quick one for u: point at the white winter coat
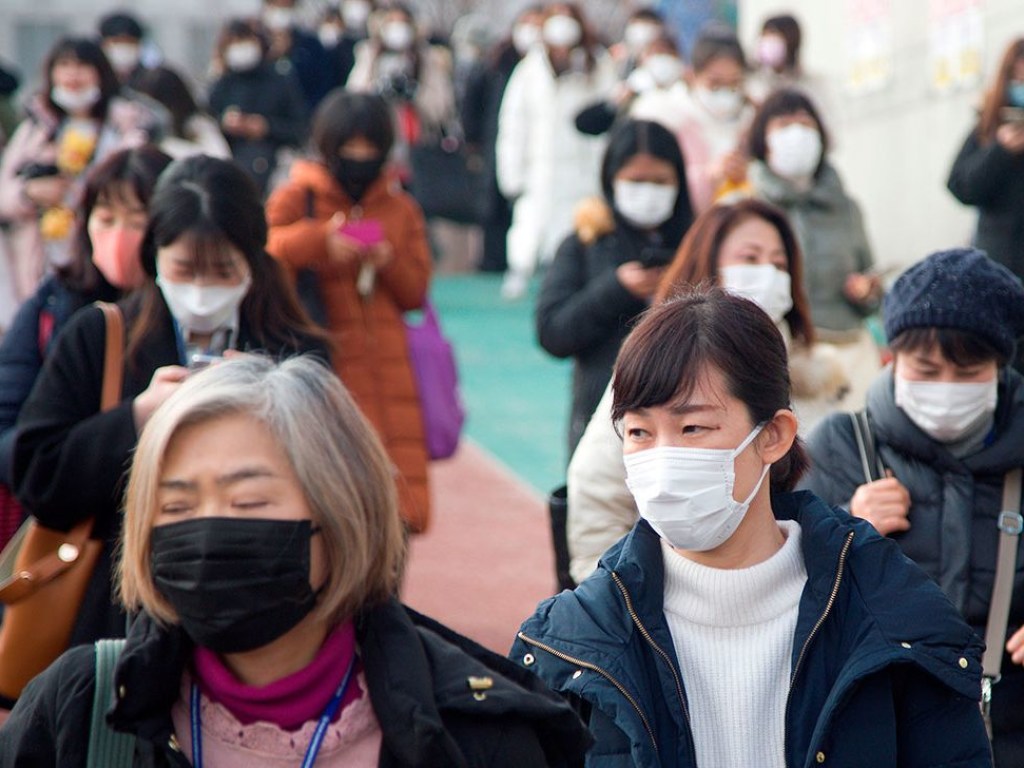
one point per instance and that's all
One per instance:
(543, 162)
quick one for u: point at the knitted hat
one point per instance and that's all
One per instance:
(962, 289)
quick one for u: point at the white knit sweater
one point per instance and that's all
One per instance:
(733, 635)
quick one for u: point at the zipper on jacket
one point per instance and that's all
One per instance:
(662, 653)
(836, 583)
(604, 673)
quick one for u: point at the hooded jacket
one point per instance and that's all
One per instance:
(830, 229)
(417, 672)
(954, 507)
(885, 672)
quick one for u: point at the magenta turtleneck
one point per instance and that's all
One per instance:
(291, 701)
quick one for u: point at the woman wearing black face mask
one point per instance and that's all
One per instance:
(262, 550)
(347, 219)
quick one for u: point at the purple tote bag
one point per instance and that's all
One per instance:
(437, 379)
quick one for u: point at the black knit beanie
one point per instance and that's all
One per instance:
(962, 289)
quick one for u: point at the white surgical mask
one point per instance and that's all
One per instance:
(123, 57)
(639, 35)
(686, 493)
(794, 152)
(562, 32)
(643, 204)
(524, 37)
(355, 13)
(204, 308)
(664, 68)
(278, 19)
(244, 56)
(723, 103)
(946, 411)
(75, 101)
(397, 35)
(771, 51)
(329, 35)
(765, 284)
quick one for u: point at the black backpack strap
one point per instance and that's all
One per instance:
(307, 284)
(869, 459)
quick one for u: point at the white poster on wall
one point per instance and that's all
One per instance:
(869, 45)
(955, 43)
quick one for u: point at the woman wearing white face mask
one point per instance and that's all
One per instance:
(789, 147)
(607, 271)
(947, 420)
(216, 290)
(738, 623)
(545, 165)
(75, 121)
(749, 249)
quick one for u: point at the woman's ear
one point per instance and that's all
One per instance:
(778, 436)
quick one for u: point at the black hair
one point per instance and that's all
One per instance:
(166, 86)
(86, 51)
(120, 24)
(135, 169)
(343, 115)
(785, 101)
(716, 41)
(960, 347)
(646, 14)
(677, 342)
(641, 137)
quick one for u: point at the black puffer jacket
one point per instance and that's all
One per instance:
(416, 671)
(953, 514)
(991, 179)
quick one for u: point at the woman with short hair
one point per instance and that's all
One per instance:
(739, 623)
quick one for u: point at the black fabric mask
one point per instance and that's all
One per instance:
(355, 176)
(236, 584)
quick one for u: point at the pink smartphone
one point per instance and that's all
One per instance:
(364, 231)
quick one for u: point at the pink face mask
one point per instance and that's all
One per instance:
(115, 252)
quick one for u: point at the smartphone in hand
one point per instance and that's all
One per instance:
(366, 232)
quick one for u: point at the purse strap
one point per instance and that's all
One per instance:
(869, 459)
(113, 356)
(107, 748)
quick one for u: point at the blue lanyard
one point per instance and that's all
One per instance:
(318, 735)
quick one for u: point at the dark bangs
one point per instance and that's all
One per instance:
(962, 348)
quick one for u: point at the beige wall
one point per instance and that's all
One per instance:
(895, 146)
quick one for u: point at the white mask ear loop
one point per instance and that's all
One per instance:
(740, 449)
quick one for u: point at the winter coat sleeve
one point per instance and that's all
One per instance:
(20, 363)
(20, 150)
(577, 311)
(513, 145)
(49, 726)
(294, 238)
(69, 458)
(407, 276)
(601, 508)
(980, 173)
(360, 79)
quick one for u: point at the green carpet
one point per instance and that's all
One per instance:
(516, 394)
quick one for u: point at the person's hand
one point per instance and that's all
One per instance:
(734, 167)
(884, 503)
(640, 281)
(255, 126)
(47, 191)
(379, 254)
(862, 289)
(341, 249)
(1010, 136)
(165, 382)
(233, 122)
(1015, 646)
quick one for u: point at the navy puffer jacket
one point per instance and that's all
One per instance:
(885, 673)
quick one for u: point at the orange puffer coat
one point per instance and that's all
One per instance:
(369, 351)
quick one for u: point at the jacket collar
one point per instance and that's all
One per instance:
(826, 191)
(315, 176)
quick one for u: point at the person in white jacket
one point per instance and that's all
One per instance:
(748, 248)
(544, 164)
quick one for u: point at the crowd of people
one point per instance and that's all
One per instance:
(784, 530)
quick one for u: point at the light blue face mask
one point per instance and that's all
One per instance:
(1015, 93)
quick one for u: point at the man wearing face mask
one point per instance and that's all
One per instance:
(292, 49)
(947, 419)
(121, 38)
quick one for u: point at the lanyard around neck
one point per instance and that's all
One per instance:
(318, 735)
